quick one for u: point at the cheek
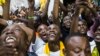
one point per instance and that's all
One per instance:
(2, 37)
(47, 32)
(64, 22)
(85, 27)
(19, 35)
(78, 28)
(56, 31)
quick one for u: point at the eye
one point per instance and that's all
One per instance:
(3, 32)
(40, 30)
(17, 29)
(77, 50)
(49, 28)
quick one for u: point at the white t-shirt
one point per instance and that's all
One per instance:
(92, 44)
(37, 4)
(38, 44)
(57, 53)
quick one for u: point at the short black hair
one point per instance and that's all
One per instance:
(84, 21)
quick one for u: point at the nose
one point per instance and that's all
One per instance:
(82, 54)
(43, 31)
(81, 26)
(9, 31)
(52, 30)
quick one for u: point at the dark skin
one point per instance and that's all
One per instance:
(67, 21)
(82, 27)
(79, 10)
(97, 38)
(82, 47)
(3, 22)
(53, 37)
(87, 2)
(15, 40)
(43, 13)
(42, 30)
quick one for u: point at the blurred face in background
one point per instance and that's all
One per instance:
(82, 27)
(97, 34)
(42, 30)
(67, 21)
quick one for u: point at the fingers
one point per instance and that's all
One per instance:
(7, 50)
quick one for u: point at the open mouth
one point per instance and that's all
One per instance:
(83, 30)
(44, 36)
(68, 23)
(10, 40)
(98, 37)
(52, 35)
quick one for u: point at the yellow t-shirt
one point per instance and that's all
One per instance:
(2, 2)
(95, 52)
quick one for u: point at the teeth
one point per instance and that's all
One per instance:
(11, 38)
(97, 36)
(52, 34)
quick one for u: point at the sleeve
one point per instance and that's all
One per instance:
(42, 4)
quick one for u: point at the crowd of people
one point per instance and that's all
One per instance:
(56, 28)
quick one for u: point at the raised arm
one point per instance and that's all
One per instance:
(62, 7)
(27, 30)
(3, 22)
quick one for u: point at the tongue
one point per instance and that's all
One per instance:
(52, 35)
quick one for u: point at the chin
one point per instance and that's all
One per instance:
(97, 40)
(83, 32)
(11, 45)
(51, 40)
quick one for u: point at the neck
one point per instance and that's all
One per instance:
(54, 46)
(22, 54)
(66, 29)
